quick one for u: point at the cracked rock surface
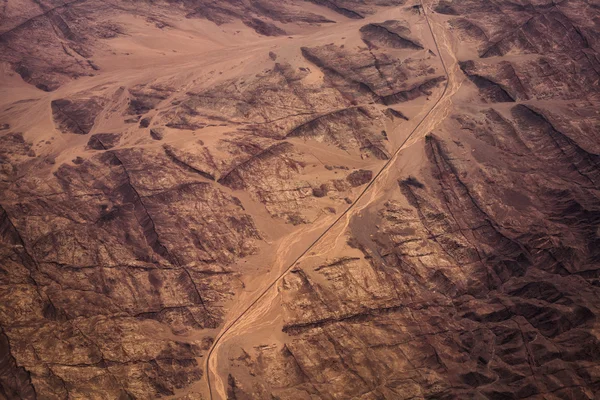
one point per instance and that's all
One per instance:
(164, 164)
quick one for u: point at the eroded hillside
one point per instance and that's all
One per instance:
(301, 200)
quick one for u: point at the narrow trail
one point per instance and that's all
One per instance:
(211, 359)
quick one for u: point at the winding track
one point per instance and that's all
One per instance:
(385, 167)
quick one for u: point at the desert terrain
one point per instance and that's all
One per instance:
(324, 199)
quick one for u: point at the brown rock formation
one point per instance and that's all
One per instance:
(333, 199)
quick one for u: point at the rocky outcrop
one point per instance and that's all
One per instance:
(15, 381)
(269, 176)
(264, 28)
(544, 78)
(90, 267)
(103, 141)
(146, 98)
(347, 128)
(545, 31)
(390, 33)
(369, 76)
(360, 177)
(76, 115)
(157, 133)
(353, 9)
